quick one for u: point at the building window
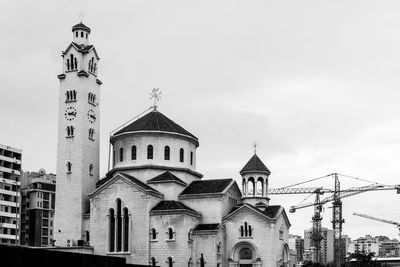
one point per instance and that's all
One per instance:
(153, 234)
(91, 169)
(87, 238)
(149, 152)
(133, 153)
(111, 230)
(70, 131)
(202, 261)
(69, 167)
(246, 230)
(72, 62)
(121, 154)
(191, 157)
(70, 96)
(118, 228)
(219, 248)
(281, 231)
(166, 153)
(181, 155)
(92, 65)
(153, 261)
(170, 262)
(260, 186)
(251, 186)
(76, 34)
(92, 98)
(91, 134)
(170, 233)
(245, 254)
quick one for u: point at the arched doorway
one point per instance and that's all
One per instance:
(245, 254)
(285, 257)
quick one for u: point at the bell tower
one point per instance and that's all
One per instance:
(255, 182)
(78, 136)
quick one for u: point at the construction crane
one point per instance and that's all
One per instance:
(337, 220)
(378, 219)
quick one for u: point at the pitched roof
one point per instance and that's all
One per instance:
(171, 205)
(207, 227)
(155, 121)
(270, 211)
(207, 187)
(166, 177)
(129, 177)
(255, 164)
(80, 26)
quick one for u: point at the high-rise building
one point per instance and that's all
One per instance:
(37, 206)
(10, 173)
(366, 245)
(326, 245)
(296, 243)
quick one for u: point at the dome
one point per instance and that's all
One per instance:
(81, 26)
(255, 165)
(155, 121)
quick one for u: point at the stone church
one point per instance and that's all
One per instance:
(153, 207)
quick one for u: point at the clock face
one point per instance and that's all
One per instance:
(91, 116)
(70, 113)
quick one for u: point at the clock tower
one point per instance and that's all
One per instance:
(78, 137)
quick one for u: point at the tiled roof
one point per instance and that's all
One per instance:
(171, 205)
(155, 121)
(255, 164)
(166, 177)
(80, 26)
(269, 211)
(206, 186)
(206, 227)
(131, 178)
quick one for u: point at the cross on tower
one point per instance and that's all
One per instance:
(155, 95)
(255, 144)
(81, 15)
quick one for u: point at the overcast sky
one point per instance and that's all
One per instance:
(315, 83)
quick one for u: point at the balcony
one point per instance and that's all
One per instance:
(9, 214)
(13, 237)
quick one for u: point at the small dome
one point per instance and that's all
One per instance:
(81, 26)
(255, 165)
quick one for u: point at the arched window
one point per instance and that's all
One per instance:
(245, 254)
(260, 186)
(69, 167)
(170, 233)
(153, 234)
(113, 159)
(119, 225)
(71, 58)
(111, 230)
(76, 63)
(166, 152)
(133, 153)
(74, 92)
(202, 262)
(121, 154)
(149, 152)
(181, 155)
(95, 68)
(67, 64)
(246, 230)
(87, 237)
(153, 261)
(82, 34)
(126, 230)
(251, 186)
(191, 157)
(170, 262)
(91, 169)
(76, 33)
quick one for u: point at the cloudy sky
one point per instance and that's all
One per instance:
(315, 83)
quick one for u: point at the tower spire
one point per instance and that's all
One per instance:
(155, 95)
(255, 144)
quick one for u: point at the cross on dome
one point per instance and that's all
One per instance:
(155, 95)
(255, 144)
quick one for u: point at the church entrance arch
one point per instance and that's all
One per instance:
(244, 254)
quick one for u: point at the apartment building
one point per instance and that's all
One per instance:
(10, 174)
(296, 243)
(326, 245)
(37, 208)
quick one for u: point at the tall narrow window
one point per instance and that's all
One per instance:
(170, 262)
(133, 153)
(170, 233)
(181, 155)
(111, 230)
(69, 167)
(153, 261)
(126, 230)
(166, 152)
(91, 169)
(153, 234)
(149, 152)
(67, 64)
(202, 262)
(72, 61)
(121, 154)
(191, 157)
(119, 226)
(76, 63)
(76, 34)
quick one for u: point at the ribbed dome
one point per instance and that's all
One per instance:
(255, 165)
(81, 26)
(155, 121)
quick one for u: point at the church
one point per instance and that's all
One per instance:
(153, 207)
